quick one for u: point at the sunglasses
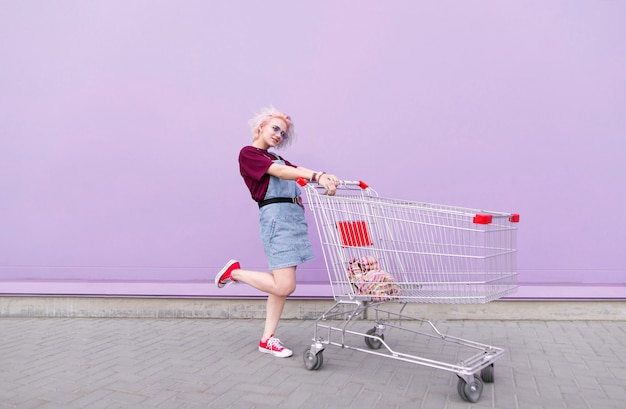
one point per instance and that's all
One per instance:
(279, 131)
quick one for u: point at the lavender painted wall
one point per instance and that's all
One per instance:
(121, 121)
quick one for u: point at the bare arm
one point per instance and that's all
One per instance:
(329, 182)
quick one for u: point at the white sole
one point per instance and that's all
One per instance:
(276, 354)
(221, 273)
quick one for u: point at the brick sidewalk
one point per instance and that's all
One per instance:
(199, 363)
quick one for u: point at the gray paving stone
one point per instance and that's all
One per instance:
(103, 363)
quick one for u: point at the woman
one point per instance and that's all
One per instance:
(271, 181)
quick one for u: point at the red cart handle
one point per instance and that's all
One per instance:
(359, 183)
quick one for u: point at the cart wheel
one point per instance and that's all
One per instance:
(487, 374)
(374, 343)
(470, 392)
(312, 361)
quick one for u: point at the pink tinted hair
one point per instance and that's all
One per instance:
(267, 113)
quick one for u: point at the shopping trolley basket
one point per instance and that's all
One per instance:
(380, 251)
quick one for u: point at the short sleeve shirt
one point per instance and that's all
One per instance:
(253, 166)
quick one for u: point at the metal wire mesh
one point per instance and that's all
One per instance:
(434, 253)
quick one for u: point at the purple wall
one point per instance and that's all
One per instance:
(121, 121)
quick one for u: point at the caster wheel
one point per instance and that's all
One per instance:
(487, 374)
(470, 392)
(372, 342)
(312, 361)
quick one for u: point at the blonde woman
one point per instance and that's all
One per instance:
(271, 181)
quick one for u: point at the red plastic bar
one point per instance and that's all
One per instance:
(483, 219)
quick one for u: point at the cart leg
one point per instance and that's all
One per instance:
(487, 374)
(471, 390)
(374, 337)
(314, 357)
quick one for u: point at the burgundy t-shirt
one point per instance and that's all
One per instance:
(253, 165)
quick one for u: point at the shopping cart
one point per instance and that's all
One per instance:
(384, 253)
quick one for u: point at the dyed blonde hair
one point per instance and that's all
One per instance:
(266, 114)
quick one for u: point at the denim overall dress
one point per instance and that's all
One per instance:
(284, 230)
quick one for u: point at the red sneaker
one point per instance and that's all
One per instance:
(275, 347)
(224, 278)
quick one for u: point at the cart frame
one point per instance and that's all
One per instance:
(452, 269)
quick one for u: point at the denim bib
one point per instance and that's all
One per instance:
(283, 228)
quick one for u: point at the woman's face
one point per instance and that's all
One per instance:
(272, 134)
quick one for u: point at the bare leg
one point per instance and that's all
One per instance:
(278, 285)
(281, 282)
(276, 303)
